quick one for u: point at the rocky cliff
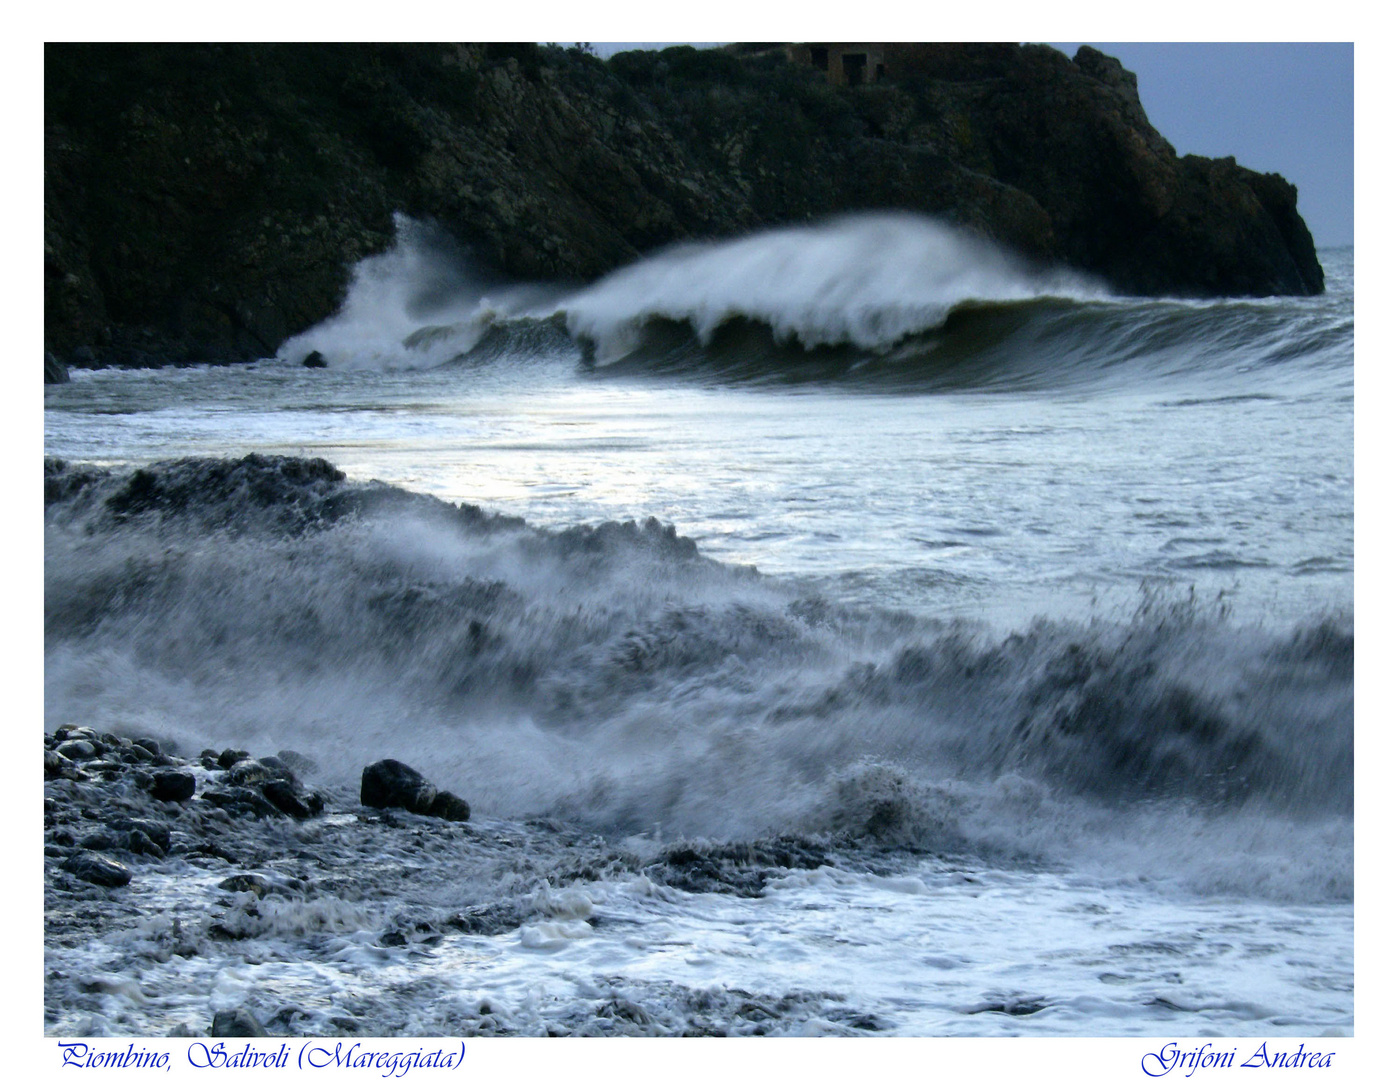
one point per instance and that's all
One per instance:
(204, 202)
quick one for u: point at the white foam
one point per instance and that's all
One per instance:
(417, 305)
(867, 280)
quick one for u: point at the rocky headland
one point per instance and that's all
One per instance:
(203, 203)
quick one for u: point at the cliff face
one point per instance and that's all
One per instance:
(206, 202)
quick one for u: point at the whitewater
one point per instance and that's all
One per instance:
(846, 629)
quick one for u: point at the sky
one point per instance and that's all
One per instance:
(1276, 107)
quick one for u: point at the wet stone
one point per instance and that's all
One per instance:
(389, 783)
(253, 883)
(230, 757)
(238, 1023)
(282, 794)
(450, 807)
(56, 766)
(172, 785)
(77, 750)
(157, 832)
(98, 869)
(248, 772)
(279, 769)
(241, 801)
(139, 843)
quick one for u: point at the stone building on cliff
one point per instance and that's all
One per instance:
(845, 63)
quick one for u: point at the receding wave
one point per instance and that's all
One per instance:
(615, 676)
(878, 301)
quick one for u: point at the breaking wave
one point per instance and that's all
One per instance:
(883, 301)
(614, 676)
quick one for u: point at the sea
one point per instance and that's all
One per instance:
(843, 629)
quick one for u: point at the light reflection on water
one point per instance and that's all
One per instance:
(977, 503)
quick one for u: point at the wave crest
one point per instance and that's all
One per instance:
(868, 281)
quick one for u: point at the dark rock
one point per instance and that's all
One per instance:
(449, 806)
(740, 869)
(248, 772)
(390, 783)
(172, 785)
(120, 837)
(253, 883)
(562, 166)
(136, 753)
(98, 869)
(157, 832)
(57, 767)
(278, 768)
(241, 801)
(55, 371)
(283, 795)
(489, 920)
(77, 750)
(136, 841)
(237, 1023)
(148, 745)
(230, 757)
(313, 360)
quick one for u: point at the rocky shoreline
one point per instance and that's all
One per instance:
(203, 203)
(124, 818)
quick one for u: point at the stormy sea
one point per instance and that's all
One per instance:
(841, 629)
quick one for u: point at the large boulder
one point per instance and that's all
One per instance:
(389, 783)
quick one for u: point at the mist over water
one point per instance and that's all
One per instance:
(1009, 621)
(866, 281)
(616, 677)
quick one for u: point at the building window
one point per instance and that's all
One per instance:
(854, 65)
(820, 57)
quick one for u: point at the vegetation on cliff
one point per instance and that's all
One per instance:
(205, 202)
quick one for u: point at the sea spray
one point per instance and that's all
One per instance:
(420, 303)
(865, 280)
(614, 676)
(876, 301)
